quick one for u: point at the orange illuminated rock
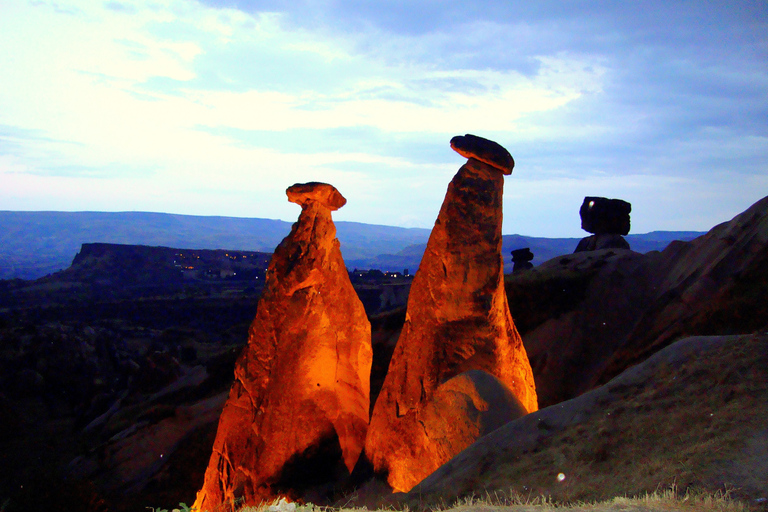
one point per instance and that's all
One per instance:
(327, 195)
(462, 410)
(457, 320)
(298, 410)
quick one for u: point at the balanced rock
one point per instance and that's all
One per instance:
(600, 215)
(298, 410)
(457, 320)
(521, 259)
(608, 219)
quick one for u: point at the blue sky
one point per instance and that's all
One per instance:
(216, 107)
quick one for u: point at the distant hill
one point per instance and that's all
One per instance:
(543, 249)
(34, 244)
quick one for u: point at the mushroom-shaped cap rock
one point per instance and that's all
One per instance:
(325, 194)
(487, 151)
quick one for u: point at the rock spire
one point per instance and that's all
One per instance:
(457, 321)
(298, 410)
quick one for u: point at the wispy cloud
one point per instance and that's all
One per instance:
(216, 107)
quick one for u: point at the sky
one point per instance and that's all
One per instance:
(215, 107)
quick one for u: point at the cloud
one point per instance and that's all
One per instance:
(216, 107)
(106, 99)
(120, 7)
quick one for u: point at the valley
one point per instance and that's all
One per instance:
(115, 369)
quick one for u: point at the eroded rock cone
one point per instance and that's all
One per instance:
(298, 410)
(457, 320)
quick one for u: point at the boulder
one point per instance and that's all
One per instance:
(457, 320)
(327, 195)
(487, 151)
(600, 215)
(521, 259)
(298, 410)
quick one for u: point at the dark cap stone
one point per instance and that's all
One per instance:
(523, 254)
(600, 215)
(487, 151)
(325, 194)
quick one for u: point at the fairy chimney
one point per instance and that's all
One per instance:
(457, 320)
(298, 410)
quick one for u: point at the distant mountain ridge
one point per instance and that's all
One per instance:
(34, 244)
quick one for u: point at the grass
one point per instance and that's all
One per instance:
(667, 500)
(689, 427)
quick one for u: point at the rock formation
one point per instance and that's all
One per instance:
(653, 416)
(521, 259)
(608, 219)
(484, 150)
(457, 320)
(602, 241)
(297, 412)
(462, 410)
(598, 313)
(601, 216)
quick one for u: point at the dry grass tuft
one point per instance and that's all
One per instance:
(668, 500)
(697, 424)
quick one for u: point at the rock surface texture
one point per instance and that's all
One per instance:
(297, 412)
(462, 410)
(457, 320)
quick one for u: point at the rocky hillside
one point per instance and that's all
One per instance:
(692, 415)
(586, 317)
(113, 405)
